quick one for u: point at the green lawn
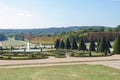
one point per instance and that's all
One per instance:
(74, 72)
(15, 43)
(11, 42)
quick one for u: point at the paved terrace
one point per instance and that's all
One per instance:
(111, 61)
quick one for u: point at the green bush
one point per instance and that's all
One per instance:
(60, 56)
(37, 56)
(23, 56)
(76, 53)
(59, 53)
(1, 57)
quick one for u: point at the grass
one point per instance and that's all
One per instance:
(11, 42)
(18, 57)
(15, 43)
(66, 72)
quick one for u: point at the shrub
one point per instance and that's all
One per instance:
(59, 53)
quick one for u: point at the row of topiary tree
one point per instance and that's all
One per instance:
(103, 45)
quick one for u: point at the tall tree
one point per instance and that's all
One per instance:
(67, 45)
(116, 46)
(98, 44)
(103, 46)
(92, 46)
(62, 44)
(109, 45)
(82, 45)
(74, 44)
(57, 43)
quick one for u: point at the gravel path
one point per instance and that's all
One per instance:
(112, 61)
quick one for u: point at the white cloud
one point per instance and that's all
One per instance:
(13, 17)
(24, 14)
(8, 10)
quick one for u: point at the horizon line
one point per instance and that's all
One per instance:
(60, 27)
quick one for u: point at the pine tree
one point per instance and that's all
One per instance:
(103, 46)
(98, 44)
(109, 45)
(82, 45)
(62, 44)
(68, 45)
(74, 44)
(116, 46)
(57, 43)
(92, 46)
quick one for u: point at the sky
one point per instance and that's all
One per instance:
(24, 14)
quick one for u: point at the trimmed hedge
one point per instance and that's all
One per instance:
(23, 56)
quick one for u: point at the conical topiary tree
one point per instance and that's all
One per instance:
(62, 44)
(109, 45)
(116, 46)
(103, 46)
(82, 45)
(92, 46)
(67, 44)
(98, 44)
(74, 44)
(57, 43)
(1, 48)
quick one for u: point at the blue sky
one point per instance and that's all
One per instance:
(58, 13)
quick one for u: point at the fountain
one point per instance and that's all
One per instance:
(27, 49)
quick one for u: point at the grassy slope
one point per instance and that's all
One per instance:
(11, 42)
(73, 72)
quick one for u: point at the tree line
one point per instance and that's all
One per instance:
(92, 32)
(2, 37)
(103, 45)
(87, 32)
